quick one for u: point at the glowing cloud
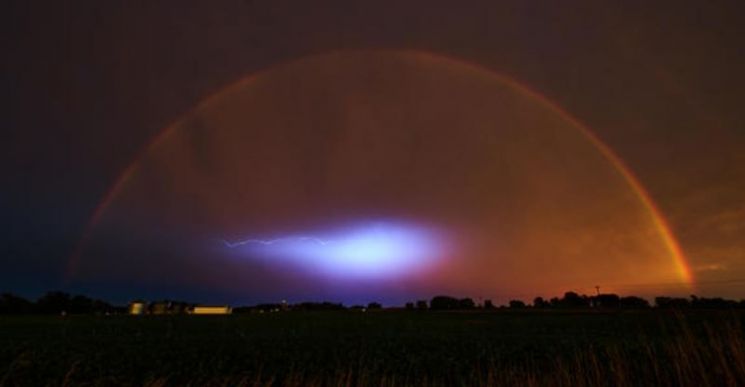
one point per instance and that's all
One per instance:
(365, 251)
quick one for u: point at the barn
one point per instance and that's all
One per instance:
(205, 309)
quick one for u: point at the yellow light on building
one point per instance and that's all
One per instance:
(137, 308)
(212, 310)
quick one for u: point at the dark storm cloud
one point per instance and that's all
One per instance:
(86, 84)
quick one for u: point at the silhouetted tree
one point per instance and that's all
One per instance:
(633, 302)
(488, 305)
(712, 303)
(53, 303)
(81, 305)
(540, 303)
(443, 303)
(374, 305)
(318, 306)
(606, 301)
(421, 305)
(671, 303)
(466, 303)
(517, 304)
(12, 304)
(409, 306)
(574, 300)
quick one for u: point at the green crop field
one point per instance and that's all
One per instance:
(389, 348)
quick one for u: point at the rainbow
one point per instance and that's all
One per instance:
(660, 223)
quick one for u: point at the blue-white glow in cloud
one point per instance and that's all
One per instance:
(377, 250)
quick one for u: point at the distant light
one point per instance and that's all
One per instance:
(371, 250)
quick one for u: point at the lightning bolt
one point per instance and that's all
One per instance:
(269, 242)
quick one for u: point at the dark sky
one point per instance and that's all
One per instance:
(87, 85)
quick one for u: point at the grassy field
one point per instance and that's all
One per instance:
(385, 348)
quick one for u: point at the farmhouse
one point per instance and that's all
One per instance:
(137, 308)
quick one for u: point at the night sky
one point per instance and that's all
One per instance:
(244, 151)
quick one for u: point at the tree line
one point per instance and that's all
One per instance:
(573, 300)
(57, 302)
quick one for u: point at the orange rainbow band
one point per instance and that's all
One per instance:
(681, 265)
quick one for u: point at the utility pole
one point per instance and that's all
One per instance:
(597, 289)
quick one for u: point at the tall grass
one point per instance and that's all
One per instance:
(655, 349)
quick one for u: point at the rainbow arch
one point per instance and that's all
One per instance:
(680, 262)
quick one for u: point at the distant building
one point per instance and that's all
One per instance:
(212, 310)
(160, 307)
(137, 307)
